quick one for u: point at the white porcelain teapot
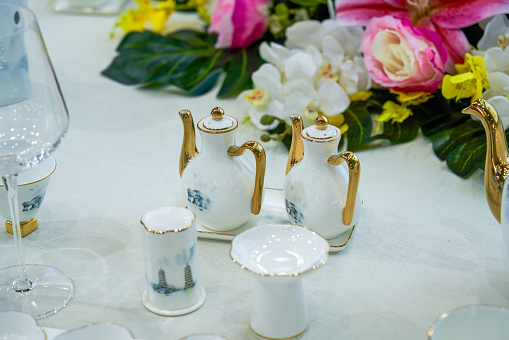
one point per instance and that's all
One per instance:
(219, 184)
(319, 194)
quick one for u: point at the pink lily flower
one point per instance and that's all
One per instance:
(446, 17)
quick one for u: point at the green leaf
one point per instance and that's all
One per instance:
(439, 114)
(186, 59)
(359, 128)
(446, 141)
(464, 159)
(238, 71)
(400, 132)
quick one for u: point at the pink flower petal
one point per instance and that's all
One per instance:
(462, 13)
(456, 44)
(359, 12)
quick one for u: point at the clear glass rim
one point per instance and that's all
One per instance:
(28, 24)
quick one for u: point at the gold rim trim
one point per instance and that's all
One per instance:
(320, 140)
(39, 180)
(168, 230)
(445, 314)
(348, 240)
(284, 275)
(269, 338)
(205, 129)
(98, 323)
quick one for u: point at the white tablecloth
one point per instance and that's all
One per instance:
(426, 242)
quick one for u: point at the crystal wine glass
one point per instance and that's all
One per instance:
(33, 120)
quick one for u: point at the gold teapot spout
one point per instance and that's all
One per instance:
(297, 148)
(189, 149)
(496, 168)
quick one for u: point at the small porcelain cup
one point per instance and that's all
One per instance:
(471, 323)
(32, 186)
(20, 325)
(173, 285)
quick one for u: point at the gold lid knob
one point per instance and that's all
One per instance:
(217, 113)
(321, 123)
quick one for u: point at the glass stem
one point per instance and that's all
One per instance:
(22, 284)
(332, 9)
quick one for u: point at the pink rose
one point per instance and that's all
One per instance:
(239, 23)
(402, 57)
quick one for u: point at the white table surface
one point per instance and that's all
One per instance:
(426, 242)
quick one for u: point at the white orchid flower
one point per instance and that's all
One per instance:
(495, 34)
(314, 74)
(329, 98)
(274, 53)
(497, 68)
(312, 32)
(266, 98)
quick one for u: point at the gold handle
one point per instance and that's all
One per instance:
(297, 148)
(259, 154)
(189, 150)
(496, 166)
(354, 175)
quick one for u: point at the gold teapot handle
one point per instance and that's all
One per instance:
(354, 174)
(259, 154)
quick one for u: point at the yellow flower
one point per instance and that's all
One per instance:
(336, 120)
(412, 97)
(136, 19)
(161, 14)
(201, 7)
(469, 82)
(394, 112)
(361, 96)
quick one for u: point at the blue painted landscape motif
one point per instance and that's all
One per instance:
(294, 212)
(181, 260)
(197, 198)
(34, 203)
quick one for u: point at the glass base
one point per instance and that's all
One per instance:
(50, 291)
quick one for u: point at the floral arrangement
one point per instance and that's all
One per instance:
(380, 70)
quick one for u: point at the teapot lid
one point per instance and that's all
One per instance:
(217, 122)
(321, 131)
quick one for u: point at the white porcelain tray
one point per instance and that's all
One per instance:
(273, 211)
(111, 7)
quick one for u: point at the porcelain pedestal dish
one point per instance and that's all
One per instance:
(279, 256)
